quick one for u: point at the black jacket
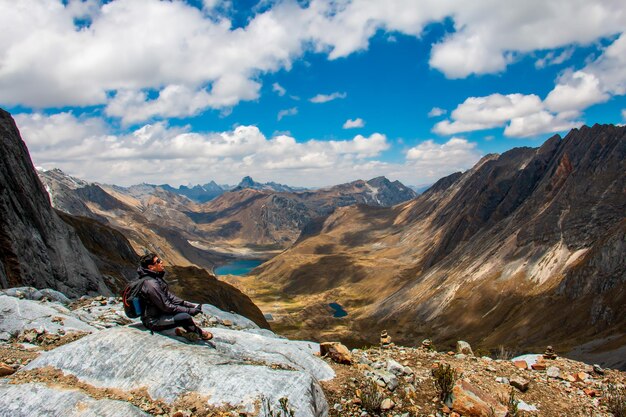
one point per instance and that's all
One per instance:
(159, 300)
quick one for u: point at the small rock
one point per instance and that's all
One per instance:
(582, 376)
(394, 367)
(598, 369)
(521, 364)
(539, 366)
(502, 380)
(387, 404)
(6, 370)
(522, 406)
(464, 348)
(553, 372)
(227, 322)
(520, 383)
(591, 392)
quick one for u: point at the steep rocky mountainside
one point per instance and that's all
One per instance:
(525, 249)
(37, 247)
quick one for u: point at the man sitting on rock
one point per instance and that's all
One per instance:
(163, 309)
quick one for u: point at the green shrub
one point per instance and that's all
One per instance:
(283, 410)
(371, 397)
(445, 377)
(615, 400)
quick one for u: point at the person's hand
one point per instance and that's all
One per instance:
(196, 310)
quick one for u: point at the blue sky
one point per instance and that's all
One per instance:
(303, 93)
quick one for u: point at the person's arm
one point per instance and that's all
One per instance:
(179, 301)
(163, 301)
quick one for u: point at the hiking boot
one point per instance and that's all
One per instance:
(205, 335)
(191, 336)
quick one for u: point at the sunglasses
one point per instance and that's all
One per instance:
(157, 261)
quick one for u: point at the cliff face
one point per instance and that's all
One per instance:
(37, 247)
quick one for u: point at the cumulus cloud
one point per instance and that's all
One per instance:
(324, 98)
(576, 91)
(121, 49)
(353, 124)
(287, 112)
(435, 160)
(521, 115)
(436, 112)
(160, 153)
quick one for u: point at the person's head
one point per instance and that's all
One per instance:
(152, 262)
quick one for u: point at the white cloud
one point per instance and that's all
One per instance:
(352, 124)
(287, 112)
(538, 123)
(434, 160)
(278, 89)
(521, 115)
(575, 92)
(436, 112)
(478, 113)
(47, 61)
(552, 58)
(159, 153)
(324, 98)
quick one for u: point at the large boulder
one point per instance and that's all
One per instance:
(235, 369)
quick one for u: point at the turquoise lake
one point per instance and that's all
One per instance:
(238, 267)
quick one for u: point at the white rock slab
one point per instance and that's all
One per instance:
(27, 400)
(17, 315)
(295, 354)
(128, 358)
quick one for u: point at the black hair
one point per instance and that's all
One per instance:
(147, 260)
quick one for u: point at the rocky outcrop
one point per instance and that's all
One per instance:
(36, 247)
(242, 368)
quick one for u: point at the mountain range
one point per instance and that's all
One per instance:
(526, 249)
(253, 219)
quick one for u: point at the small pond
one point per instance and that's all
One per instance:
(339, 311)
(238, 267)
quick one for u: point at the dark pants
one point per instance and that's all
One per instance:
(170, 321)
